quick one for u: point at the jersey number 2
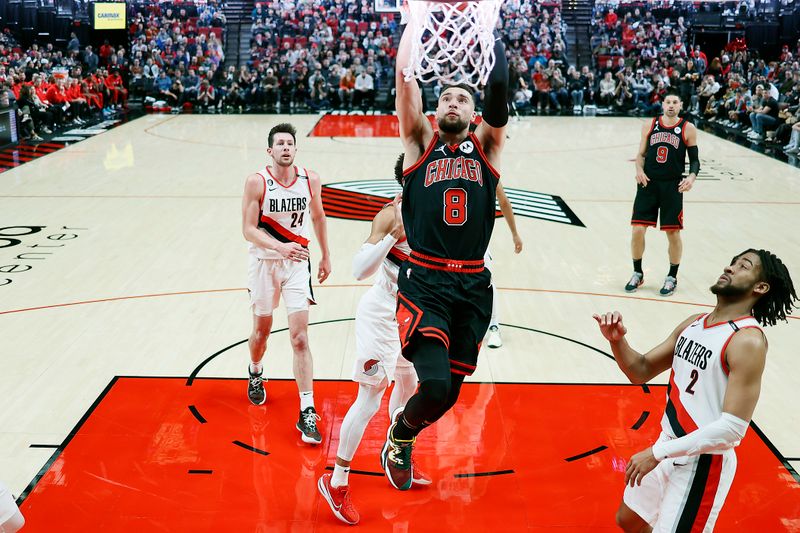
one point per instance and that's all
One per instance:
(661, 154)
(695, 375)
(455, 207)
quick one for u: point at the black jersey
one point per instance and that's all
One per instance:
(665, 158)
(449, 200)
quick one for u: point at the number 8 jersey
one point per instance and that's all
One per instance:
(449, 200)
(699, 375)
(284, 211)
(665, 158)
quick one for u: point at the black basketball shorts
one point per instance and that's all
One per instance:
(659, 196)
(451, 307)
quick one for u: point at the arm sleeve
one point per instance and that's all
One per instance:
(495, 107)
(724, 433)
(369, 257)
(694, 160)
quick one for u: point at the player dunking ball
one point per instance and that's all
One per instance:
(378, 361)
(660, 186)
(279, 202)
(716, 360)
(444, 298)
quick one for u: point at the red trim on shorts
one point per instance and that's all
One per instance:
(722, 357)
(410, 310)
(398, 254)
(430, 331)
(425, 155)
(465, 365)
(459, 372)
(684, 419)
(670, 228)
(642, 223)
(277, 228)
(296, 174)
(447, 265)
(477, 144)
(709, 493)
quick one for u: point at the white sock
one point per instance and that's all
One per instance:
(306, 400)
(340, 475)
(256, 368)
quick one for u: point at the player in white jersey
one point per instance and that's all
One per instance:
(279, 201)
(378, 360)
(680, 483)
(11, 520)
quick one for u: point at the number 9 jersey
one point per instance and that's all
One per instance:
(449, 201)
(665, 158)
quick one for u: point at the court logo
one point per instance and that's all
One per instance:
(29, 245)
(371, 367)
(361, 200)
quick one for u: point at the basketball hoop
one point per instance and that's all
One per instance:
(453, 42)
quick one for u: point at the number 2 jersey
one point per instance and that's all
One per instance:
(284, 211)
(699, 375)
(665, 158)
(449, 201)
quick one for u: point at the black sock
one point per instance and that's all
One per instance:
(673, 270)
(637, 266)
(402, 430)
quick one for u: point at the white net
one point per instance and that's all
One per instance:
(453, 42)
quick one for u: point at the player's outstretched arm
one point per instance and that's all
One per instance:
(251, 207)
(320, 224)
(416, 131)
(508, 214)
(491, 132)
(639, 368)
(745, 356)
(387, 229)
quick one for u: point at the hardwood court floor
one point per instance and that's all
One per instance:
(123, 257)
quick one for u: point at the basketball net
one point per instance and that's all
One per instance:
(453, 42)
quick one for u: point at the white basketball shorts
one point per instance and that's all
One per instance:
(269, 279)
(683, 492)
(377, 338)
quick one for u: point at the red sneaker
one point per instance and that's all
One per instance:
(418, 476)
(338, 499)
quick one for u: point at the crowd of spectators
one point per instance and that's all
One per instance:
(177, 52)
(339, 54)
(53, 89)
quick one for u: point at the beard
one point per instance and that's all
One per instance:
(449, 125)
(729, 290)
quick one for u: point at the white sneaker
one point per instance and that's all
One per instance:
(493, 339)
